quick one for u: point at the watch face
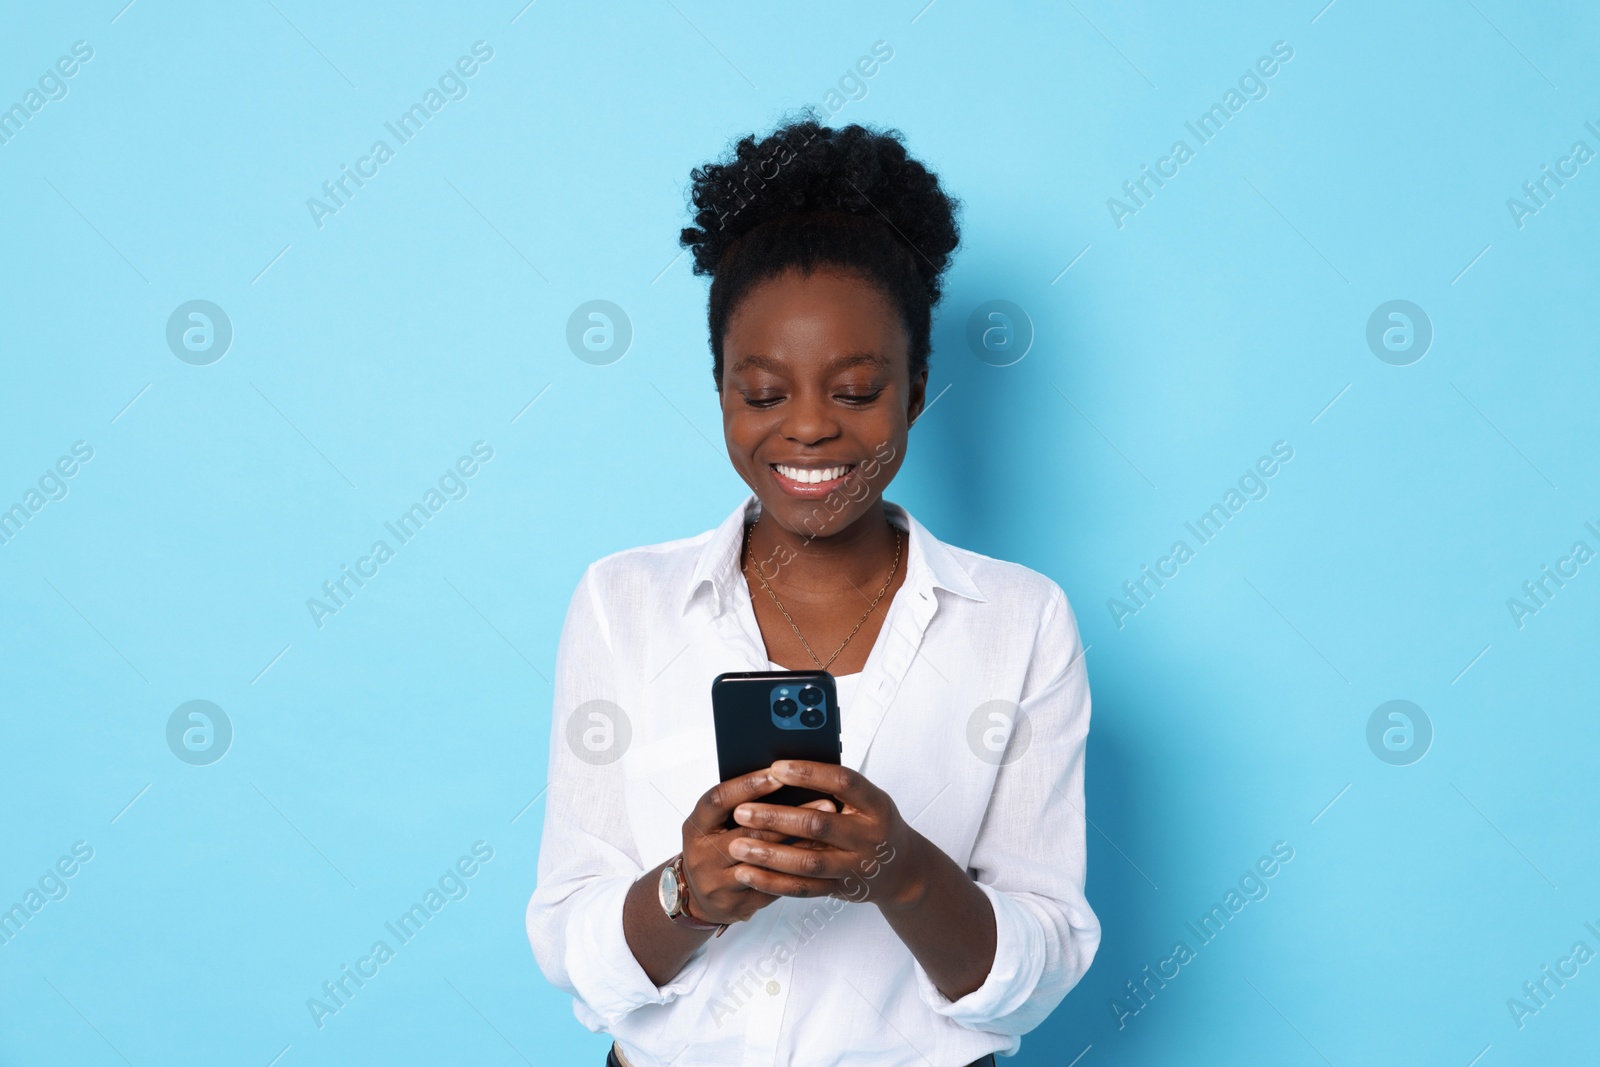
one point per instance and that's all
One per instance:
(668, 891)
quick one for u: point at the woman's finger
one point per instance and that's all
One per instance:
(711, 810)
(777, 884)
(810, 862)
(811, 823)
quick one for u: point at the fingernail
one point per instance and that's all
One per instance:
(742, 812)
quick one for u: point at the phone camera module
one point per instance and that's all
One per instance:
(809, 712)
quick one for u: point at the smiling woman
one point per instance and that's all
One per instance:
(826, 250)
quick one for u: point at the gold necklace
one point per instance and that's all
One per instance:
(750, 532)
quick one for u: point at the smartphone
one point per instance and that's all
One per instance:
(764, 716)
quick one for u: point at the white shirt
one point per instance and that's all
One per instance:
(816, 981)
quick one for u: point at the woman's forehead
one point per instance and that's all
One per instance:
(832, 316)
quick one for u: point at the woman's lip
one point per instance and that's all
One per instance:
(810, 490)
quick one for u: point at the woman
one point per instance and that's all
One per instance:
(937, 913)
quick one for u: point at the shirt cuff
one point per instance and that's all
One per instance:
(1019, 958)
(604, 972)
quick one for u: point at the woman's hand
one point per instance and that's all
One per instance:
(864, 851)
(715, 895)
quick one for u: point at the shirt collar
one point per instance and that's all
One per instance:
(930, 563)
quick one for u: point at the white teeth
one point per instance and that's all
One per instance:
(801, 474)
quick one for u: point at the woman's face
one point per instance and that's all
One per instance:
(817, 396)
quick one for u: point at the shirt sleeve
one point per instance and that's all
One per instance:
(587, 856)
(1030, 858)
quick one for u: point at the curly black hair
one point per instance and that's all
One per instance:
(807, 196)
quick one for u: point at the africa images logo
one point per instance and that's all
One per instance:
(452, 85)
(452, 485)
(1252, 85)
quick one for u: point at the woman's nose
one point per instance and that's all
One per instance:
(809, 421)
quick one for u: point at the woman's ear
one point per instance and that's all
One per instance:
(917, 396)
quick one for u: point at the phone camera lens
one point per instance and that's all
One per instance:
(810, 695)
(785, 707)
(811, 718)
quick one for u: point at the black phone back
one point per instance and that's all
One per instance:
(764, 716)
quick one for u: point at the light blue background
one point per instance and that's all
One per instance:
(1225, 316)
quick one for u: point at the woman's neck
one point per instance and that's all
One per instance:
(855, 559)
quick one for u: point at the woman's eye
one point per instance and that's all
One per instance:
(859, 398)
(761, 401)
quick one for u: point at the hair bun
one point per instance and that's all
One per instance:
(804, 169)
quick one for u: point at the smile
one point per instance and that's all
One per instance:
(811, 481)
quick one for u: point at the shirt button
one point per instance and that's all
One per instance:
(772, 989)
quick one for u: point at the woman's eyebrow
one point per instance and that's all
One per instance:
(860, 359)
(757, 361)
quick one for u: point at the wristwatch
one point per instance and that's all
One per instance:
(673, 892)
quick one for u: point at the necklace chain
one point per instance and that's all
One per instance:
(750, 532)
